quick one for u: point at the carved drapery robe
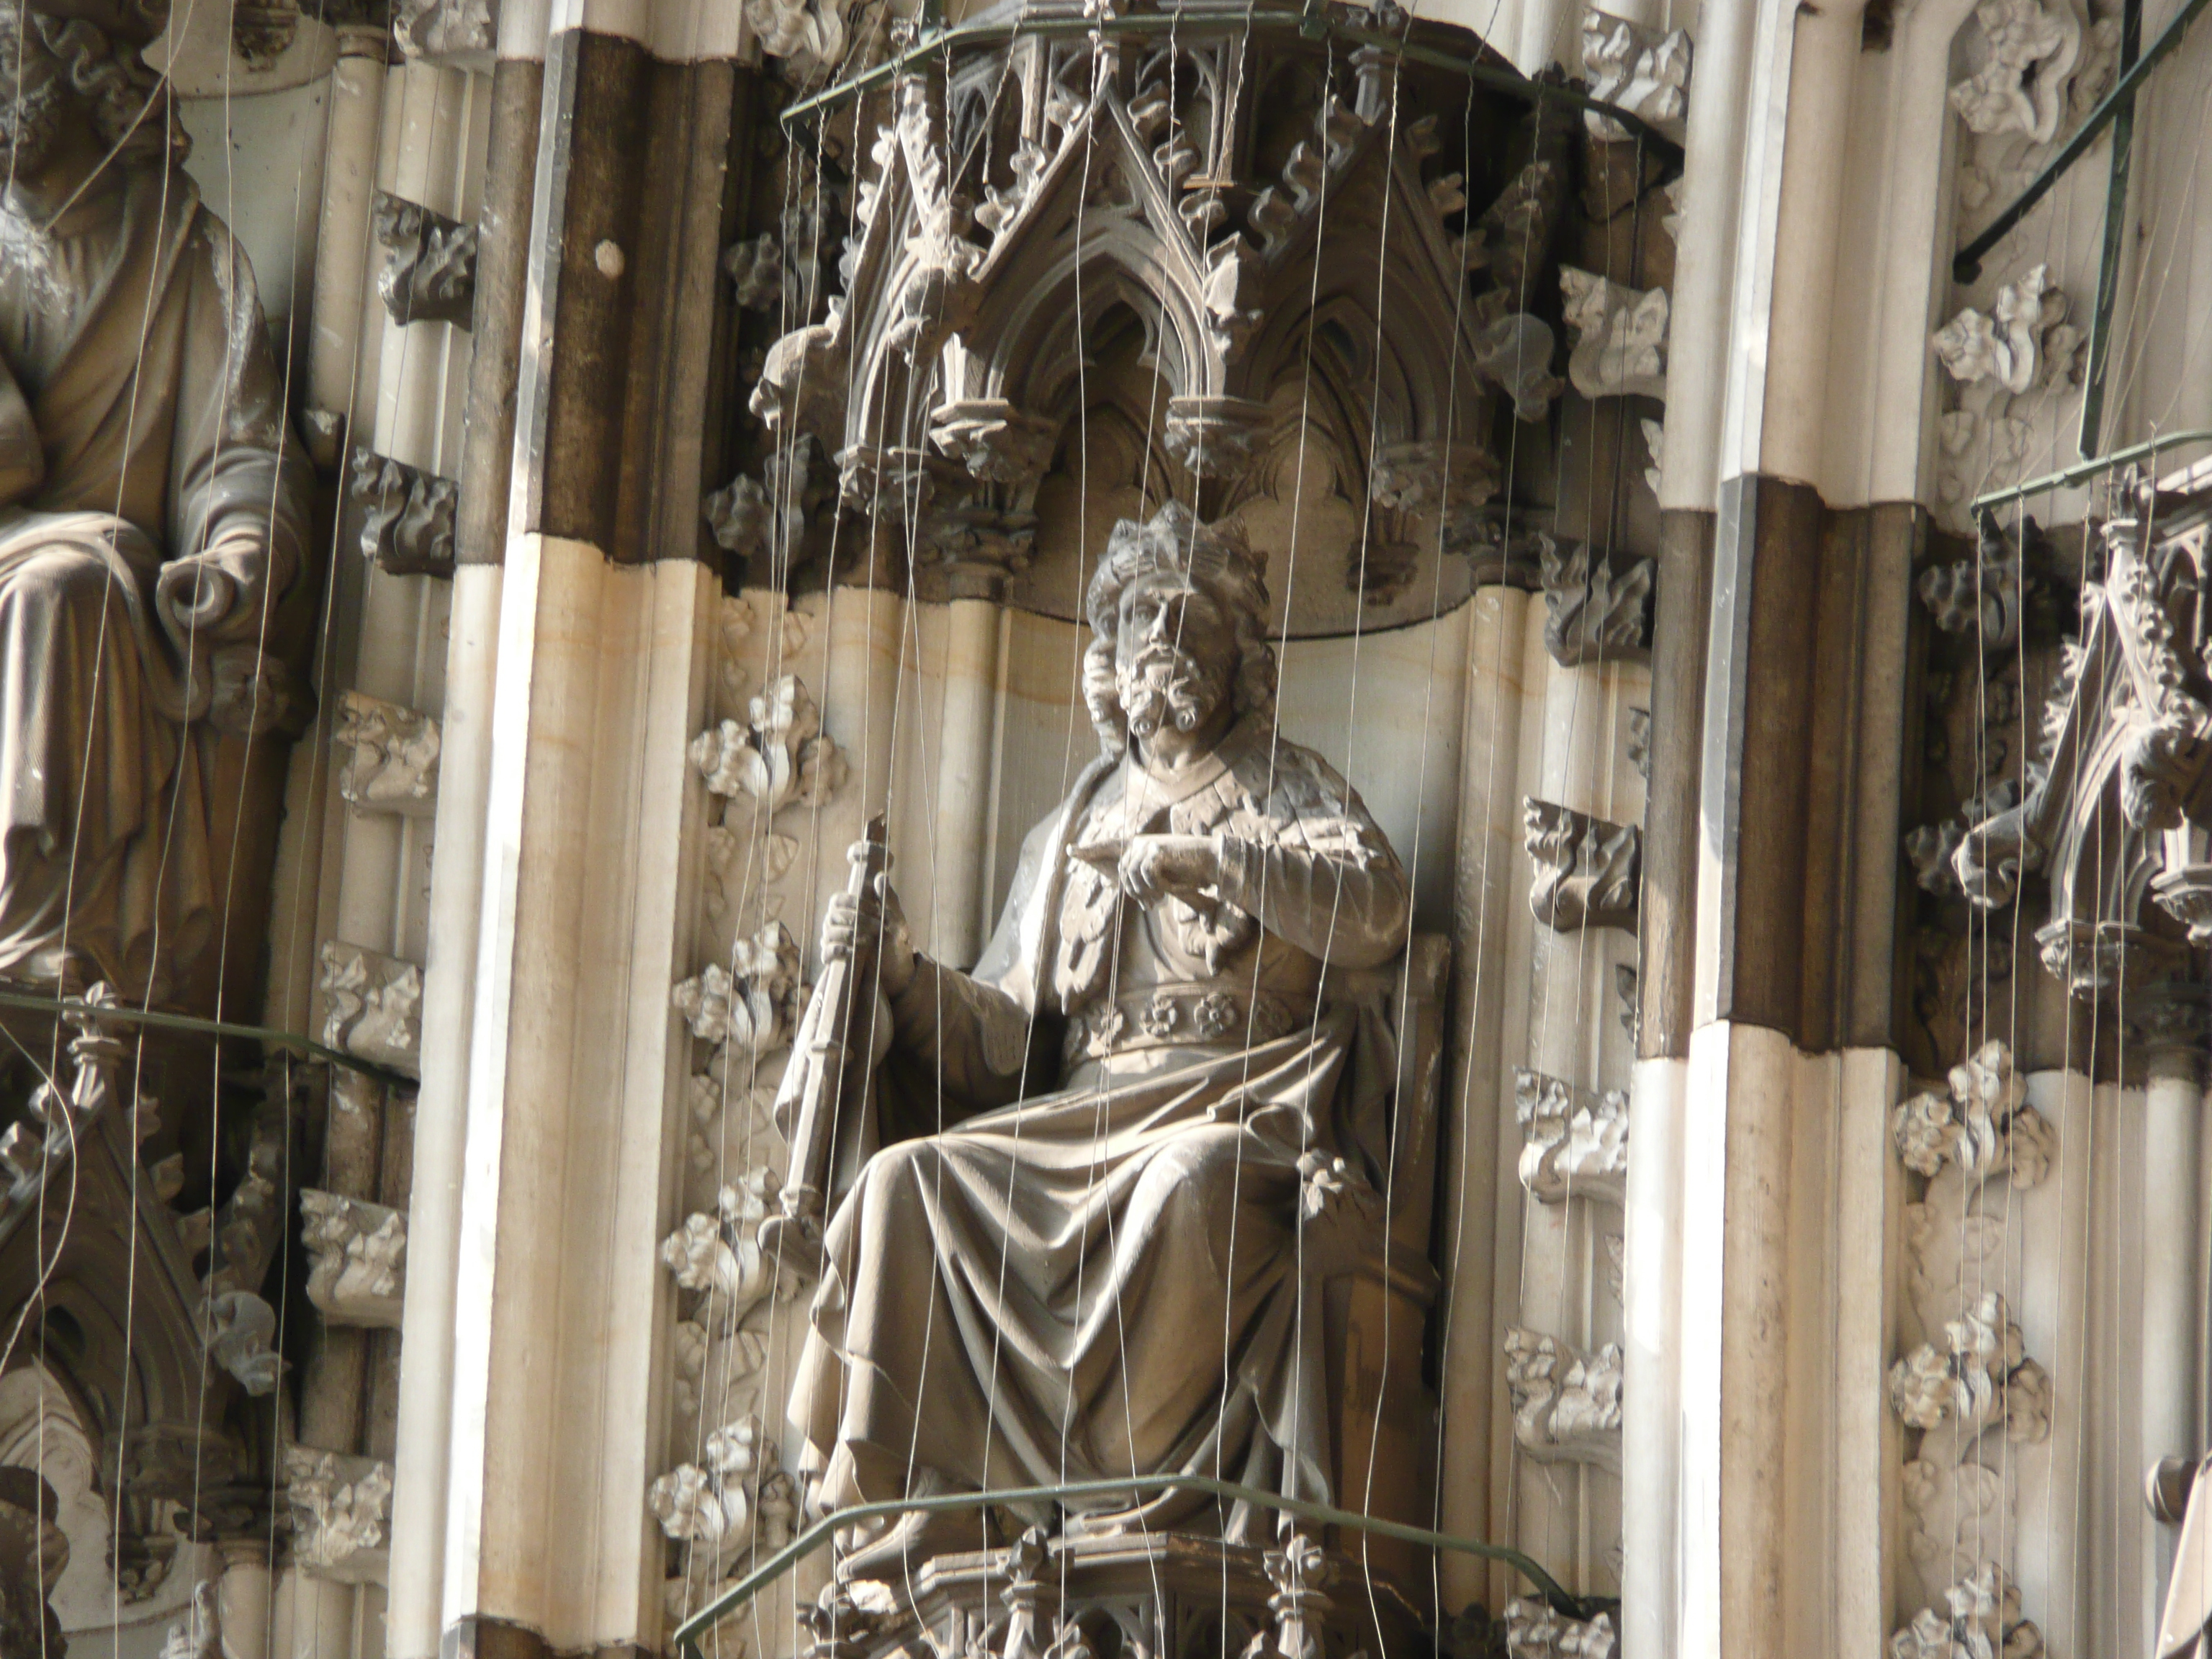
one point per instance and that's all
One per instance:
(141, 419)
(1104, 1280)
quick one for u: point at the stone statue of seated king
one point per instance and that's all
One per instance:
(1140, 1120)
(151, 509)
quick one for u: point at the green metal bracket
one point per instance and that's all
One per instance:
(107, 1013)
(1307, 21)
(2082, 471)
(688, 1634)
(1967, 265)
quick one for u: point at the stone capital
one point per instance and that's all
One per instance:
(2169, 1024)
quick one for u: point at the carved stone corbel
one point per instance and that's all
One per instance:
(1430, 476)
(995, 442)
(374, 1006)
(429, 273)
(1594, 611)
(1567, 1404)
(1588, 871)
(394, 764)
(1575, 1143)
(357, 1259)
(340, 1508)
(2030, 52)
(406, 515)
(2025, 341)
(1620, 336)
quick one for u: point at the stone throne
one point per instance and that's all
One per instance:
(1181, 1593)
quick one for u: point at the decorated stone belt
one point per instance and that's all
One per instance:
(1178, 1014)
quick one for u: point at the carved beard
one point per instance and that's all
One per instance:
(30, 127)
(1161, 684)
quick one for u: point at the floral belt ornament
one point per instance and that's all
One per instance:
(1180, 1014)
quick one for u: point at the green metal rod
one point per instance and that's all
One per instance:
(261, 1033)
(1495, 80)
(1967, 265)
(689, 1632)
(2116, 222)
(2090, 469)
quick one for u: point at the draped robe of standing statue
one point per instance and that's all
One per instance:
(1104, 1280)
(141, 421)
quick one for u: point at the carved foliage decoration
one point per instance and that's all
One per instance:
(446, 28)
(1641, 70)
(429, 273)
(1968, 1386)
(2030, 52)
(1620, 336)
(1588, 871)
(394, 764)
(1567, 1404)
(1577, 1142)
(1534, 1631)
(373, 1005)
(406, 515)
(340, 1509)
(358, 1257)
(778, 756)
(1595, 611)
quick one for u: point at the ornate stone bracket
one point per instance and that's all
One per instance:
(374, 1006)
(1620, 336)
(1639, 69)
(1594, 612)
(429, 273)
(406, 515)
(1577, 1142)
(779, 757)
(357, 1258)
(394, 764)
(341, 1510)
(35, 1145)
(1567, 1404)
(1588, 871)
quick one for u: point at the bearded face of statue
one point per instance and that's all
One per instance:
(35, 100)
(1175, 652)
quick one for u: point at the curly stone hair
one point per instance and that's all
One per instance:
(131, 106)
(1213, 558)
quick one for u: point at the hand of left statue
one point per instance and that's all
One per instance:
(199, 596)
(1154, 867)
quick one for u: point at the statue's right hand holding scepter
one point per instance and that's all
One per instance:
(840, 1040)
